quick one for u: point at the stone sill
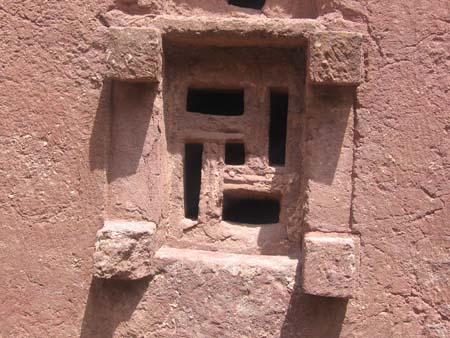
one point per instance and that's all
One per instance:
(234, 263)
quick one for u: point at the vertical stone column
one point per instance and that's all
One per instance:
(211, 196)
(328, 159)
(136, 180)
(330, 251)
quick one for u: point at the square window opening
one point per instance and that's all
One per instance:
(234, 153)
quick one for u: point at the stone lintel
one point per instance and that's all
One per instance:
(329, 264)
(236, 32)
(335, 58)
(123, 250)
(230, 32)
(134, 54)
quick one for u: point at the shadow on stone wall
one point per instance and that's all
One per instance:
(327, 133)
(99, 141)
(120, 127)
(114, 303)
(312, 316)
(110, 302)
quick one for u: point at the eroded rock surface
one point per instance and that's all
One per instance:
(133, 54)
(123, 250)
(329, 263)
(336, 58)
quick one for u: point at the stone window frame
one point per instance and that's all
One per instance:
(334, 70)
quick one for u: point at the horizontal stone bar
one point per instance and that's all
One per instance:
(235, 31)
(234, 263)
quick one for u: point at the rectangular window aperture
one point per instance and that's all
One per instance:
(250, 210)
(279, 103)
(192, 179)
(216, 102)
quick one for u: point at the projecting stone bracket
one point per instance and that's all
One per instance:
(335, 58)
(330, 264)
(133, 54)
(123, 250)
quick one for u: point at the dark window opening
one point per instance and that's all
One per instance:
(250, 210)
(192, 179)
(234, 153)
(255, 4)
(216, 102)
(279, 103)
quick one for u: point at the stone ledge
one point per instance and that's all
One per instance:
(123, 250)
(134, 54)
(335, 58)
(329, 264)
(233, 263)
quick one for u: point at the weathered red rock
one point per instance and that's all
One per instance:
(123, 250)
(335, 58)
(329, 265)
(133, 54)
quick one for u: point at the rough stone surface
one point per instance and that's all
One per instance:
(211, 294)
(327, 153)
(133, 54)
(55, 191)
(272, 8)
(335, 58)
(123, 250)
(226, 31)
(329, 265)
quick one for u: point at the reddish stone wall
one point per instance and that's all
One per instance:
(54, 191)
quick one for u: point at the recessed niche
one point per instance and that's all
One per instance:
(250, 209)
(229, 102)
(254, 4)
(192, 179)
(226, 105)
(279, 102)
(234, 153)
